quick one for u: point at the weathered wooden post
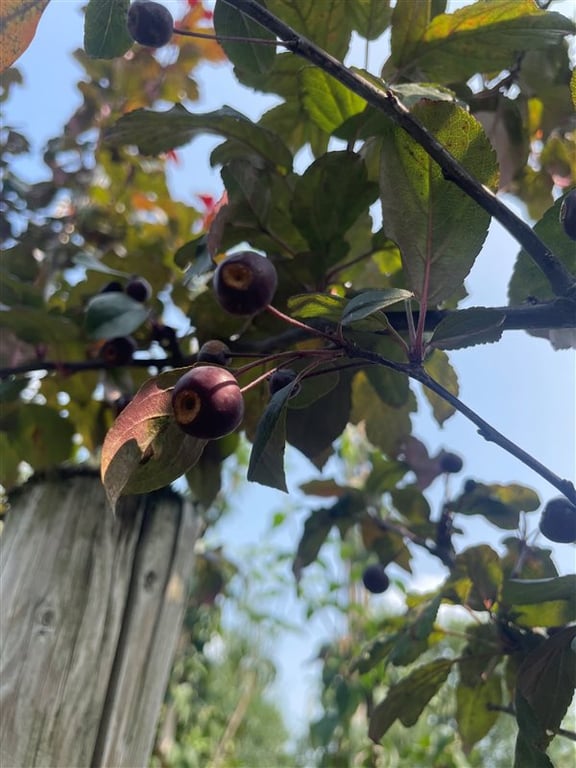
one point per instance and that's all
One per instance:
(91, 607)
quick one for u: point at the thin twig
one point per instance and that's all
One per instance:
(562, 281)
(511, 711)
(486, 430)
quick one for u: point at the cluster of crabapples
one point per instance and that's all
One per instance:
(119, 350)
(207, 401)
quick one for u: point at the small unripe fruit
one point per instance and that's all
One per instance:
(112, 287)
(280, 379)
(207, 402)
(214, 351)
(568, 214)
(375, 579)
(451, 463)
(245, 283)
(558, 521)
(138, 289)
(149, 23)
(118, 351)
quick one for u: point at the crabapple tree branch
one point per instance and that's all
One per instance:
(562, 282)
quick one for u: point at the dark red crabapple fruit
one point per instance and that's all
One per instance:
(149, 23)
(280, 379)
(558, 521)
(245, 283)
(138, 289)
(214, 351)
(207, 402)
(568, 214)
(451, 463)
(375, 579)
(118, 351)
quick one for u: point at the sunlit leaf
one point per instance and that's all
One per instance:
(439, 367)
(473, 714)
(105, 32)
(500, 504)
(327, 102)
(482, 37)
(438, 228)
(145, 449)
(18, 22)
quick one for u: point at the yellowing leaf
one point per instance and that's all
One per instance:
(18, 22)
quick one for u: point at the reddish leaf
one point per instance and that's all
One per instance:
(145, 449)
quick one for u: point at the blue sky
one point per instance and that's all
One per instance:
(521, 385)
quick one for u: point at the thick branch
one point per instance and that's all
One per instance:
(528, 317)
(562, 282)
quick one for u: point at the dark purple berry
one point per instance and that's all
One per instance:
(245, 283)
(214, 351)
(451, 463)
(138, 289)
(118, 351)
(375, 579)
(207, 402)
(149, 23)
(558, 521)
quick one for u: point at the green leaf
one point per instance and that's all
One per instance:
(316, 530)
(105, 32)
(313, 430)
(527, 754)
(482, 37)
(369, 302)
(323, 208)
(326, 23)
(157, 132)
(413, 638)
(325, 306)
(327, 102)
(526, 591)
(36, 325)
(267, 457)
(109, 315)
(482, 567)
(386, 426)
(406, 700)
(473, 716)
(194, 257)
(438, 366)
(468, 327)
(41, 436)
(527, 278)
(500, 504)
(545, 687)
(409, 22)
(245, 55)
(411, 93)
(370, 17)
(438, 228)
(145, 449)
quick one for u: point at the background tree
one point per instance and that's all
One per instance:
(362, 311)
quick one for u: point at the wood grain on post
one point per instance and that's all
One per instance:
(91, 607)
